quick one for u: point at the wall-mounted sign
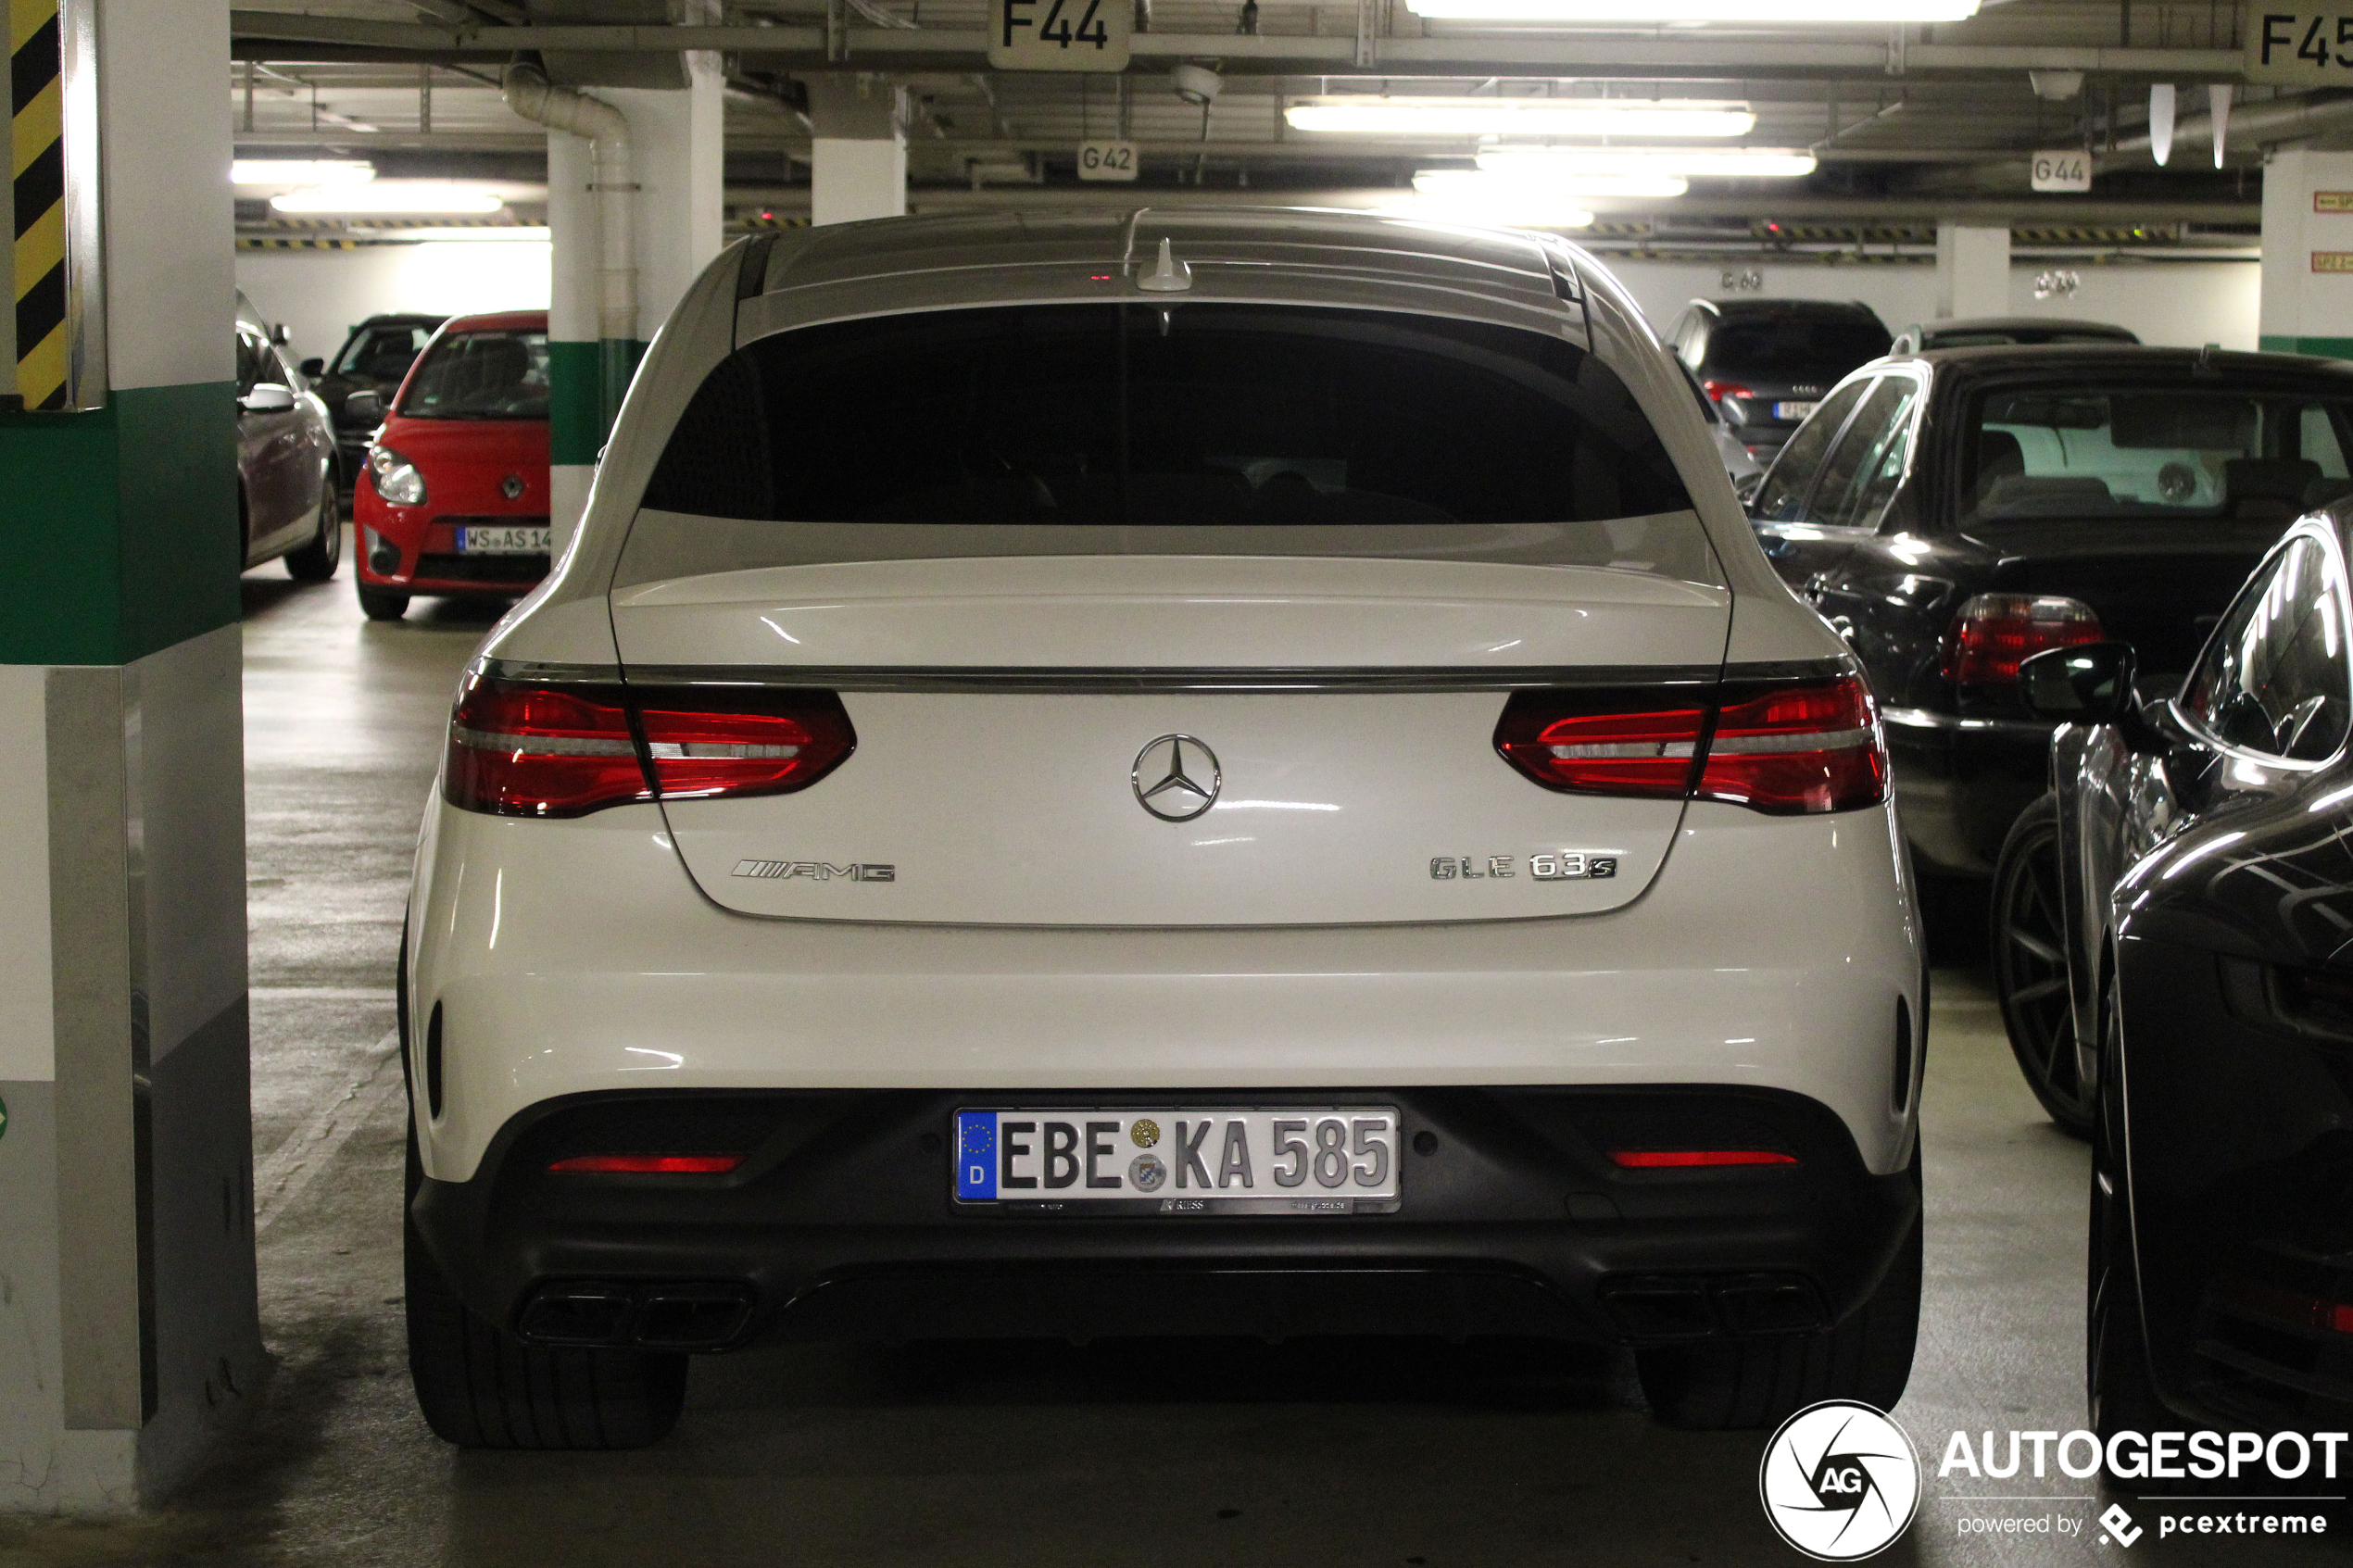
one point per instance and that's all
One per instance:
(2333, 201)
(2314, 48)
(2333, 262)
(1060, 34)
(2067, 169)
(1107, 160)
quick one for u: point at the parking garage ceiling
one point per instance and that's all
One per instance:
(1906, 124)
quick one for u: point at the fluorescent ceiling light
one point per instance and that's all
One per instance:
(1466, 184)
(1754, 13)
(1370, 115)
(300, 171)
(1690, 163)
(430, 196)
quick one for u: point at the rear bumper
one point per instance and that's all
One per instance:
(1960, 783)
(1511, 1221)
(572, 957)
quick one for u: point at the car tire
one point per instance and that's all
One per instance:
(316, 561)
(383, 604)
(1757, 1381)
(2121, 1393)
(2027, 942)
(481, 1388)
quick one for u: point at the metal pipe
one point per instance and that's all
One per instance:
(2282, 120)
(528, 92)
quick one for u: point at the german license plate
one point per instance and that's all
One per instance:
(525, 540)
(1791, 410)
(1287, 1160)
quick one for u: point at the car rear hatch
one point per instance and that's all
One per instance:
(1333, 727)
(2159, 585)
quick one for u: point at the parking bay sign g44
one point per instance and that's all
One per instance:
(1060, 34)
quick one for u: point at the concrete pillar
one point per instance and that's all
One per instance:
(677, 164)
(1972, 271)
(2308, 255)
(129, 1335)
(858, 148)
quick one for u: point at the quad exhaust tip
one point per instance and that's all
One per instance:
(656, 1315)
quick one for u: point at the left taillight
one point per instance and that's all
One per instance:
(519, 749)
(1784, 749)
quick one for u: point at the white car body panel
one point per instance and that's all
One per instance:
(572, 957)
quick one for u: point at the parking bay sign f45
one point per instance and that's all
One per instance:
(1060, 34)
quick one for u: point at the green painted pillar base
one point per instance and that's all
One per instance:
(586, 383)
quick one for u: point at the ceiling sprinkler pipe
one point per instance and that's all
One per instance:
(530, 94)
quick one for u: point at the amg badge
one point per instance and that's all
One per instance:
(1558, 865)
(816, 870)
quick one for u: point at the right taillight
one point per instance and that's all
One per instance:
(519, 749)
(1785, 748)
(1795, 749)
(1994, 633)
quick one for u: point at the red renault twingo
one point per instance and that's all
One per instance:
(455, 500)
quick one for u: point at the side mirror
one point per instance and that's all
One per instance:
(278, 336)
(269, 398)
(2089, 684)
(314, 369)
(368, 407)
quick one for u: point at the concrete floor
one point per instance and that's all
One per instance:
(1042, 1455)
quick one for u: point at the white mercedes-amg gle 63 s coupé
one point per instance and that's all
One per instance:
(1157, 774)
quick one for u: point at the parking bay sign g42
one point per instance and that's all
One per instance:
(1060, 34)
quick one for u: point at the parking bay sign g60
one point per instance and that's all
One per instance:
(1060, 34)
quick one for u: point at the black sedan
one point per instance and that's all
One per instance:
(1952, 513)
(373, 359)
(2207, 885)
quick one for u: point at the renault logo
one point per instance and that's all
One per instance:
(1177, 778)
(511, 487)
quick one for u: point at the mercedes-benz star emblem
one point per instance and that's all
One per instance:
(511, 487)
(1177, 778)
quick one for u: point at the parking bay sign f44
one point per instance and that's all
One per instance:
(1060, 34)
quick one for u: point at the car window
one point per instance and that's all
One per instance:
(2274, 677)
(1782, 495)
(495, 373)
(1179, 417)
(2092, 452)
(1787, 348)
(382, 354)
(1861, 474)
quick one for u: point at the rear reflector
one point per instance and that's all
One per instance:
(648, 1164)
(1679, 1158)
(1785, 748)
(1994, 633)
(523, 750)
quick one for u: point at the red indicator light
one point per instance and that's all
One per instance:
(648, 1164)
(1684, 1159)
(1721, 390)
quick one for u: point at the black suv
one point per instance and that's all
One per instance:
(1767, 362)
(373, 359)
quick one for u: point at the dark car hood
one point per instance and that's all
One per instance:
(2157, 585)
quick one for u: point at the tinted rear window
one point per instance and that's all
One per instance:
(1150, 417)
(482, 375)
(1794, 347)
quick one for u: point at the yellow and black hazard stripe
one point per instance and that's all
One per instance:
(38, 139)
